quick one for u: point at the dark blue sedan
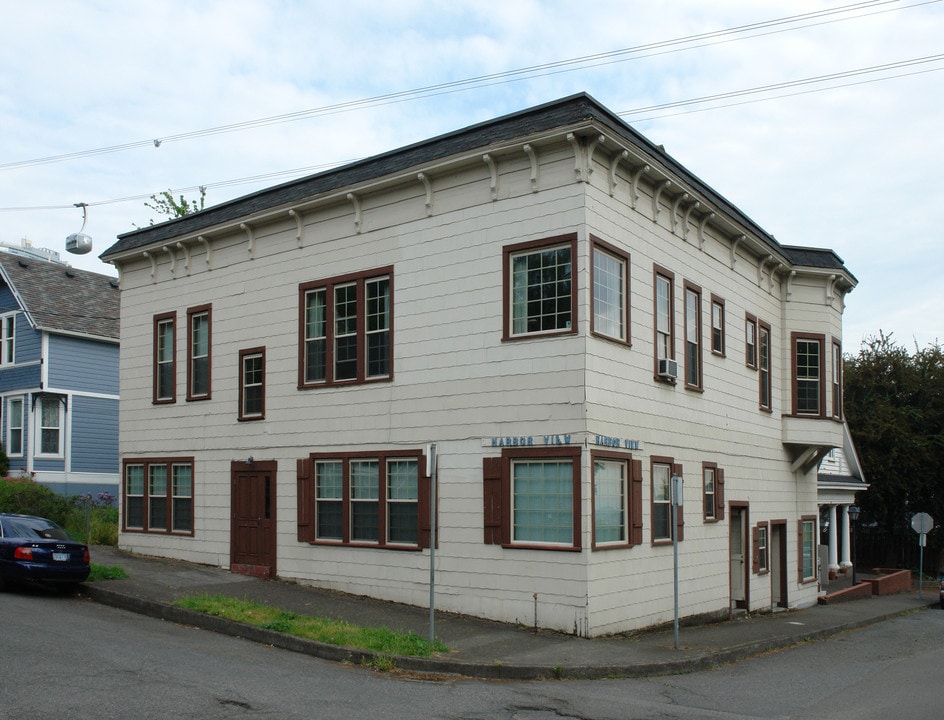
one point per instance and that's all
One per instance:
(36, 549)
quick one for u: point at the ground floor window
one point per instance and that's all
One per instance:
(158, 495)
(662, 469)
(365, 498)
(759, 541)
(532, 498)
(15, 427)
(807, 549)
(617, 500)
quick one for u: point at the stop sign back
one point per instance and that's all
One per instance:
(922, 523)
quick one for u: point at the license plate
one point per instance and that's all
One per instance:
(60, 557)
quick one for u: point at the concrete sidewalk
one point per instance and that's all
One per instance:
(480, 648)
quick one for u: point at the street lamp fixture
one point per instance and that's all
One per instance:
(854, 519)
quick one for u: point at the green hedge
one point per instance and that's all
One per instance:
(85, 519)
(22, 495)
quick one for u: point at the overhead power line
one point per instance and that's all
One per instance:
(677, 104)
(789, 23)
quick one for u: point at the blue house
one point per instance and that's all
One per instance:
(59, 374)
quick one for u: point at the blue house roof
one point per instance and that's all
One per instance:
(61, 299)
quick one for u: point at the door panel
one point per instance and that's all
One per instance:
(253, 539)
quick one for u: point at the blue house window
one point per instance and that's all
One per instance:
(15, 427)
(7, 336)
(50, 427)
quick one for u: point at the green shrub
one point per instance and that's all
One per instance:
(94, 521)
(4, 462)
(22, 495)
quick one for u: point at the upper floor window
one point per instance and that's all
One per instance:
(837, 379)
(540, 294)
(198, 352)
(15, 427)
(610, 280)
(693, 356)
(346, 329)
(808, 375)
(50, 426)
(763, 364)
(663, 311)
(165, 358)
(750, 341)
(7, 338)
(252, 384)
(717, 326)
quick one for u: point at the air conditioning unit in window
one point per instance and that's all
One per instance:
(668, 369)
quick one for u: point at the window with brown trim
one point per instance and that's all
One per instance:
(252, 384)
(661, 470)
(809, 377)
(158, 495)
(663, 313)
(372, 499)
(532, 498)
(718, 334)
(763, 366)
(759, 542)
(713, 492)
(345, 329)
(693, 341)
(199, 348)
(165, 358)
(806, 549)
(609, 278)
(837, 380)
(540, 294)
(750, 341)
(617, 499)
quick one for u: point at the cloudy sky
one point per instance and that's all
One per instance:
(822, 120)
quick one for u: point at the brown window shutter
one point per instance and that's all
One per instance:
(635, 501)
(306, 501)
(422, 509)
(719, 494)
(491, 491)
(680, 519)
(755, 554)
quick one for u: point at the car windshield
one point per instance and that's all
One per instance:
(32, 528)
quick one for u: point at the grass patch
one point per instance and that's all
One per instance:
(334, 632)
(106, 572)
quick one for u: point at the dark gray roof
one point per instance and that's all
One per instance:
(814, 257)
(561, 113)
(61, 299)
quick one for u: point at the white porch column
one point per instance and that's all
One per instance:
(833, 537)
(846, 562)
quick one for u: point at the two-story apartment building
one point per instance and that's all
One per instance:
(59, 373)
(570, 315)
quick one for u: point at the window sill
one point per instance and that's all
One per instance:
(363, 544)
(538, 546)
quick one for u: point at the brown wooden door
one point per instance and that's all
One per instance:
(253, 538)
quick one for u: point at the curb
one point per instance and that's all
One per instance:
(443, 665)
